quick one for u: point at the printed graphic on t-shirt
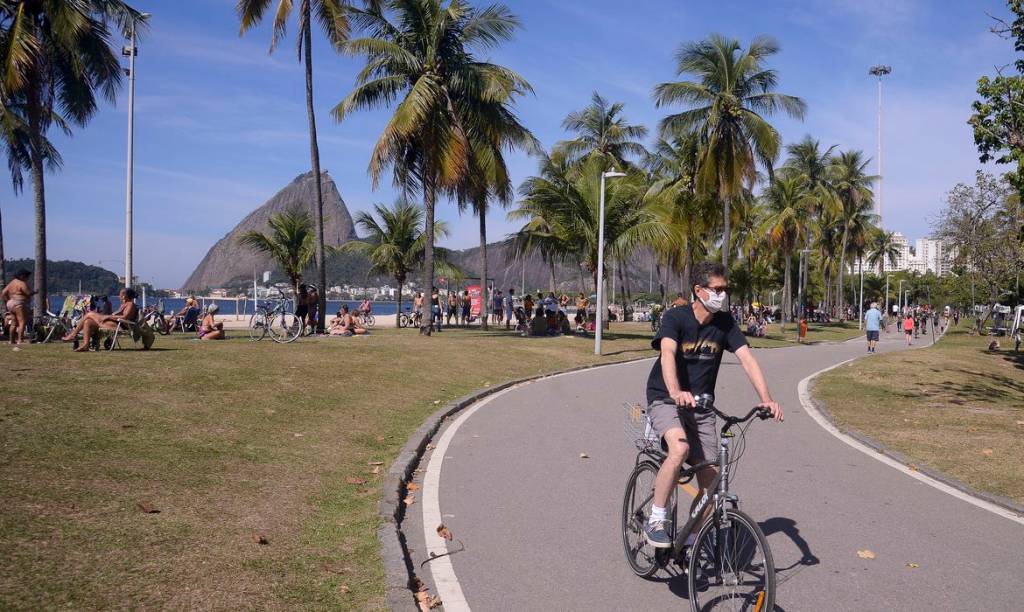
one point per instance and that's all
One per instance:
(702, 348)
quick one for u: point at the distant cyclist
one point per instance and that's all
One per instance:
(690, 341)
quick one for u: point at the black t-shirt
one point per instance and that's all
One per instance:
(700, 350)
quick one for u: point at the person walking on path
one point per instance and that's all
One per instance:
(872, 323)
(690, 343)
(16, 296)
(908, 328)
(453, 307)
(510, 304)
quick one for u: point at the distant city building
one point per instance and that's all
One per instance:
(928, 255)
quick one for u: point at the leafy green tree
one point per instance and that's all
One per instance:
(420, 53)
(601, 129)
(852, 186)
(788, 225)
(395, 243)
(291, 243)
(331, 15)
(728, 102)
(882, 248)
(55, 61)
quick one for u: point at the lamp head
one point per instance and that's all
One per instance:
(613, 174)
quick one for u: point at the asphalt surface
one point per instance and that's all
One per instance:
(540, 524)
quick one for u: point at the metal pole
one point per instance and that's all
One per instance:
(799, 294)
(879, 203)
(860, 321)
(600, 273)
(131, 153)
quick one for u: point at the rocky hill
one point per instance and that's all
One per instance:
(228, 262)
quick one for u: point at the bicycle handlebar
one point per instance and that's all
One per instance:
(758, 411)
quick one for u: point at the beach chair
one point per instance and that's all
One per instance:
(140, 333)
(189, 322)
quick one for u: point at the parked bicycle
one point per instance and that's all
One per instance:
(729, 566)
(410, 319)
(276, 319)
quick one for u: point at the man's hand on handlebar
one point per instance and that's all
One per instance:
(684, 399)
(773, 407)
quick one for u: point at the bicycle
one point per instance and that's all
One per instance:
(410, 319)
(729, 563)
(366, 319)
(275, 319)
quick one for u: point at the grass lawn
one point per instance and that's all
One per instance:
(258, 458)
(816, 332)
(955, 407)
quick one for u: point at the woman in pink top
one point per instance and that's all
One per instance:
(908, 327)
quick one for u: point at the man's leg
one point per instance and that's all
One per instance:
(668, 474)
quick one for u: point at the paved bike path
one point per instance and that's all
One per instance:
(541, 528)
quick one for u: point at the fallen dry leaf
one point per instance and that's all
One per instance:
(410, 499)
(912, 467)
(913, 565)
(260, 539)
(987, 452)
(343, 589)
(431, 446)
(444, 533)
(1020, 422)
(416, 585)
(426, 601)
(437, 402)
(354, 480)
(375, 463)
(298, 435)
(865, 554)
(412, 486)
(147, 507)
(376, 469)
(381, 438)
(584, 456)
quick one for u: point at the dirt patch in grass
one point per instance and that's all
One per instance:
(243, 449)
(955, 407)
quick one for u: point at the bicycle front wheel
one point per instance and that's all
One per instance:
(285, 327)
(369, 321)
(731, 566)
(636, 509)
(257, 326)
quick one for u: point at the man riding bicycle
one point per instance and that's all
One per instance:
(690, 342)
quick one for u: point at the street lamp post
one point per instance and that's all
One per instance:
(130, 52)
(879, 71)
(887, 277)
(600, 264)
(801, 282)
(899, 297)
(860, 315)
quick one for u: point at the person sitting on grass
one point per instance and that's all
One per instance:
(347, 325)
(16, 296)
(539, 324)
(209, 328)
(92, 322)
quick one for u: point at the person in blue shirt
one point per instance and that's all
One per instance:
(872, 323)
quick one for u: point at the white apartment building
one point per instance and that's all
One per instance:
(929, 255)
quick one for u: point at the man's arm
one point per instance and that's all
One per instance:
(670, 375)
(756, 376)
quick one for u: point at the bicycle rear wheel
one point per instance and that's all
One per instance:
(636, 509)
(257, 326)
(285, 327)
(369, 321)
(731, 566)
(403, 320)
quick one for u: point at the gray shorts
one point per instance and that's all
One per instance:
(699, 425)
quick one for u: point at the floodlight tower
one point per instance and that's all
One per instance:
(879, 71)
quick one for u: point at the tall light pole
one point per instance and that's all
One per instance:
(600, 264)
(860, 309)
(801, 282)
(879, 71)
(130, 52)
(899, 297)
(887, 277)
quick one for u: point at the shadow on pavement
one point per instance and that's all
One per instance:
(788, 528)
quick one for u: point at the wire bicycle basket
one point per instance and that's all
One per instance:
(638, 427)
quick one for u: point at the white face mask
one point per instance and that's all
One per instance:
(715, 301)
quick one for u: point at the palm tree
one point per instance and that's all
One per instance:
(728, 102)
(395, 244)
(601, 129)
(488, 176)
(333, 19)
(852, 186)
(56, 60)
(788, 225)
(422, 52)
(291, 243)
(883, 248)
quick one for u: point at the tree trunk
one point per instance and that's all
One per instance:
(726, 235)
(842, 270)
(661, 285)
(687, 286)
(551, 275)
(429, 201)
(398, 305)
(787, 291)
(314, 155)
(3, 268)
(36, 154)
(482, 211)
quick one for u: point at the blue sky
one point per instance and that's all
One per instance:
(221, 126)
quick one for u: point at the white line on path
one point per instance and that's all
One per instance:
(805, 399)
(447, 584)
